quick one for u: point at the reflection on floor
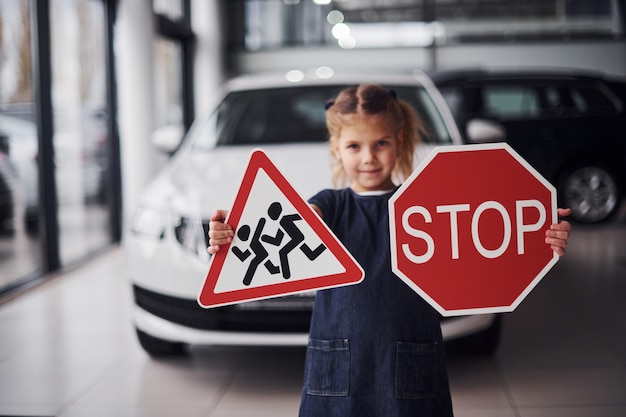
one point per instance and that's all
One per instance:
(68, 349)
(83, 230)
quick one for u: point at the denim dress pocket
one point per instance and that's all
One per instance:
(328, 367)
(416, 370)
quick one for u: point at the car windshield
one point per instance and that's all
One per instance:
(296, 115)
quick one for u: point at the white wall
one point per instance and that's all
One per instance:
(605, 56)
(134, 32)
(608, 56)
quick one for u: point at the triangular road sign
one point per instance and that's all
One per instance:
(281, 246)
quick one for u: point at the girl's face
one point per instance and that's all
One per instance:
(368, 153)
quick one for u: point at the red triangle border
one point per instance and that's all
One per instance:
(353, 274)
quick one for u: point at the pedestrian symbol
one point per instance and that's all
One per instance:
(280, 247)
(260, 252)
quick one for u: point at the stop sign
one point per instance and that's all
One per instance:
(468, 227)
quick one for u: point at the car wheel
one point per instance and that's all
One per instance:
(591, 191)
(159, 347)
(483, 343)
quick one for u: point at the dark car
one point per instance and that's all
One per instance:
(570, 125)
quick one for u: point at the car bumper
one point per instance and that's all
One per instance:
(166, 330)
(280, 322)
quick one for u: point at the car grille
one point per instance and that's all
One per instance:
(280, 315)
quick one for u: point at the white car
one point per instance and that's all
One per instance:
(166, 236)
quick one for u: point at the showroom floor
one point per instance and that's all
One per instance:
(67, 348)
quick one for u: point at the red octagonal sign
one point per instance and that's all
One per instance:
(468, 228)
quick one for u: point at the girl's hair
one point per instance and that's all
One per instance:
(362, 104)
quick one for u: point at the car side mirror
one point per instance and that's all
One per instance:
(168, 138)
(485, 131)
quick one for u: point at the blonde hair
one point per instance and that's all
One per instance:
(364, 104)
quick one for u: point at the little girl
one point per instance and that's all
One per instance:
(375, 349)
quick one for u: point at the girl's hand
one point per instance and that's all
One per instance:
(558, 234)
(220, 233)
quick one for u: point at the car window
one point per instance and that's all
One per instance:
(284, 115)
(436, 131)
(592, 101)
(510, 102)
(454, 100)
(560, 102)
(296, 115)
(578, 101)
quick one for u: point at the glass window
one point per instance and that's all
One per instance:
(78, 86)
(19, 199)
(80, 128)
(510, 102)
(168, 83)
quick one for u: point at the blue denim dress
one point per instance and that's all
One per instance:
(375, 348)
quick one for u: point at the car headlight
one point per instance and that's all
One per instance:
(153, 223)
(149, 222)
(191, 234)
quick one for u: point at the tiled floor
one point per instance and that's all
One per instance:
(68, 349)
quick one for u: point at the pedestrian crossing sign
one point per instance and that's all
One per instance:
(281, 246)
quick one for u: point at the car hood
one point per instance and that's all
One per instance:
(196, 183)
